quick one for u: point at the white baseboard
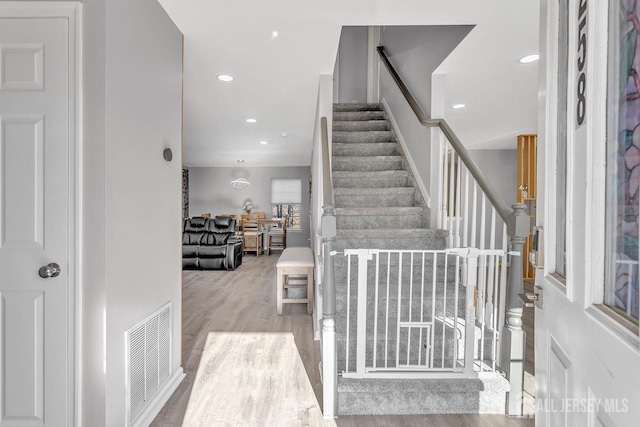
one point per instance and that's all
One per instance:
(152, 410)
(407, 154)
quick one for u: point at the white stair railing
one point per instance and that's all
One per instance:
(517, 225)
(463, 206)
(411, 314)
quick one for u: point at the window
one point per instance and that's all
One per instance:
(561, 135)
(286, 195)
(623, 162)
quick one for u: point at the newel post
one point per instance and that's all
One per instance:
(513, 336)
(329, 340)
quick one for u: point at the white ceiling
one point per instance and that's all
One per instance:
(276, 78)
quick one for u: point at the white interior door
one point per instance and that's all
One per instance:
(34, 222)
(587, 350)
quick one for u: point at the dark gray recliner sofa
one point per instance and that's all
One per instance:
(210, 244)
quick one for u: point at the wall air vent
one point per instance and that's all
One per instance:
(148, 359)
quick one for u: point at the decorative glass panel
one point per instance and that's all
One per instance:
(561, 134)
(623, 159)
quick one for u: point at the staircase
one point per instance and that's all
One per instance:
(378, 205)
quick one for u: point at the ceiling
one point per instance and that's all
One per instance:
(276, 78)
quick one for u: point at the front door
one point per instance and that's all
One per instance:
(35, 230)
(587, 344)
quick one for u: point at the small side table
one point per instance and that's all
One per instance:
(292, 262)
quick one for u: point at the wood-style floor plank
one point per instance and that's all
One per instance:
(244, 300)
(252, 379)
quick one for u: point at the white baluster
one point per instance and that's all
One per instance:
(364, 256)
(492, 245)
(375, 316)
(399, 306)
(457, 206)
(386, 327)
(474, 214)
(348, 311)
(445, 185)
(451, 189)
(465, 218)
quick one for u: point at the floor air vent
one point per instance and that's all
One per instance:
(148, 347)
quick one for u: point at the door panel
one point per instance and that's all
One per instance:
(586, 361)
(23, 341)
(34, 221)
(559, 364)
(22, 195)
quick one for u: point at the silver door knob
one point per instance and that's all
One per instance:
(51, 270)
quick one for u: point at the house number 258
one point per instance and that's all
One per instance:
(582, 59)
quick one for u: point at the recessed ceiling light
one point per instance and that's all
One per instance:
(264, 142)
(240, 161)
(458, 106)
(225, 77)
(251, 120)
(529, 58)
(274, 34)
(284, 134)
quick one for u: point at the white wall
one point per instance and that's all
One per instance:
(210, 190)
(415, 52)
(352, 82)
(142, 190)
(499, 166)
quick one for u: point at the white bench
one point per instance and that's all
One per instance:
(294, 262)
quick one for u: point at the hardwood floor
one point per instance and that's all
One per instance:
(528, 322)
(250, 379)
(245, 301)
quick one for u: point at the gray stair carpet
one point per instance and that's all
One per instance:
(379, 206)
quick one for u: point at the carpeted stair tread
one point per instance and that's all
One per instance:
(358, 115)
(363, 136)
(368, 163)
(396, 217)
(368, 159)
(433, 396)
(373, 191)
(391, 239)
(360, 125)
(392, 233)
(441, 385)
(365, 149)
(353, 106)
(385, 210)
(377, 182)
(369, 174)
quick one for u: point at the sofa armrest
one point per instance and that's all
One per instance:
(234, 253)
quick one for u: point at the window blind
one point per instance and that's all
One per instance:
(286, 191)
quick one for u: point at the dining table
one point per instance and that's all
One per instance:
(265, 225)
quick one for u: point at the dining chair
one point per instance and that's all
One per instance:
(252, 237)
(280, 234)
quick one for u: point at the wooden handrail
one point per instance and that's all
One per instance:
(503, 209)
